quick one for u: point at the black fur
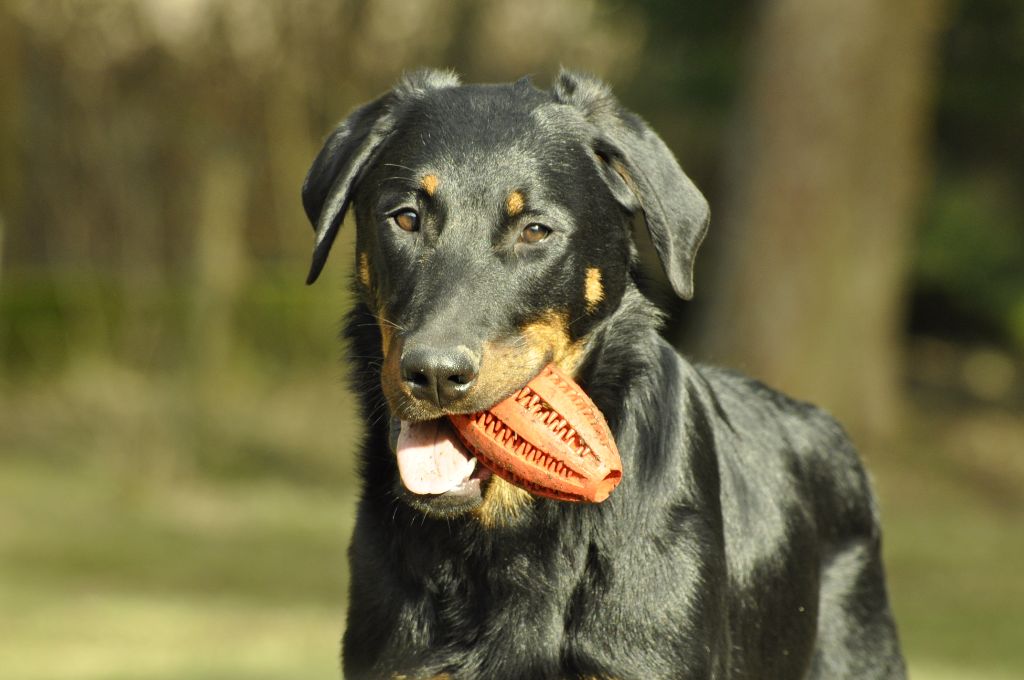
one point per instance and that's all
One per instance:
(743, 541)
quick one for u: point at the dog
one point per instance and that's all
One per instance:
(493, 237)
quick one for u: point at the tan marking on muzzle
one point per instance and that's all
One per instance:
(514, 204)
(504, 366)
(429, 184)
(387, 332)
(593, 289)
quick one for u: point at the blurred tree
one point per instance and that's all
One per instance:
(10, 71)
(824, 175)
(969, 273)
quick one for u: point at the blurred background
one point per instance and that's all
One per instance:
(176, 437)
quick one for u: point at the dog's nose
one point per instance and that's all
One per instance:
(439, 375)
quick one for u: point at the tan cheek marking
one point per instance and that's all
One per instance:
(390, 371)
(593, 290)
(385, 337)
(570, 360)
(385, 326)
(364, 269)
(429, 184)
(514, 204)
(549, 331)
(387, 332)
(504, 364)
(551, 334)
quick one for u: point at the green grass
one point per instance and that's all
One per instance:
(140, 539)
(147, 534)
(185, 580)
(953, 513)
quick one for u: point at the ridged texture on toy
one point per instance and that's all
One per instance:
(548, 438)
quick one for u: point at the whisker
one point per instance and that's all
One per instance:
(398, 165)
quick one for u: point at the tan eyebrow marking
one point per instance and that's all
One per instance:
(429, 184)
(515, 203)
(593, 289)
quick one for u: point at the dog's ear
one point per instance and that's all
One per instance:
(331, 180)
(642, 174)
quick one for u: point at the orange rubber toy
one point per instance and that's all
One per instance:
(548, 438)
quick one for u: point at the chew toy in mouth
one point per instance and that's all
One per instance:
(548, 438)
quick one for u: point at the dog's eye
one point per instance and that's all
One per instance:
(407, 220)
(534, 233)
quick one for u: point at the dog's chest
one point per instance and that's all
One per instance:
(518, 616)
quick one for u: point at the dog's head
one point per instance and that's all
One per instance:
(493, 228)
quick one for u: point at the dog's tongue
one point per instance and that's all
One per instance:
(431, 460)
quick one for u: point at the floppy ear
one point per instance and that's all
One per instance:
(642, 174)
(331, 180)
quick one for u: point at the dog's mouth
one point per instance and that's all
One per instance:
(438, 473)
(432, 460)
(433, 463)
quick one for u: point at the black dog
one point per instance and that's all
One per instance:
(493, 238)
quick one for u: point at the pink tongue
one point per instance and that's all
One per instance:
(430, 459)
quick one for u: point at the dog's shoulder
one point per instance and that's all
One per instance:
(752, 406)
(775, 451)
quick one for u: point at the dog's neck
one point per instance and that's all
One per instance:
(623, 350)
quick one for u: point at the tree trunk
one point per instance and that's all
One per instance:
(824, 175)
